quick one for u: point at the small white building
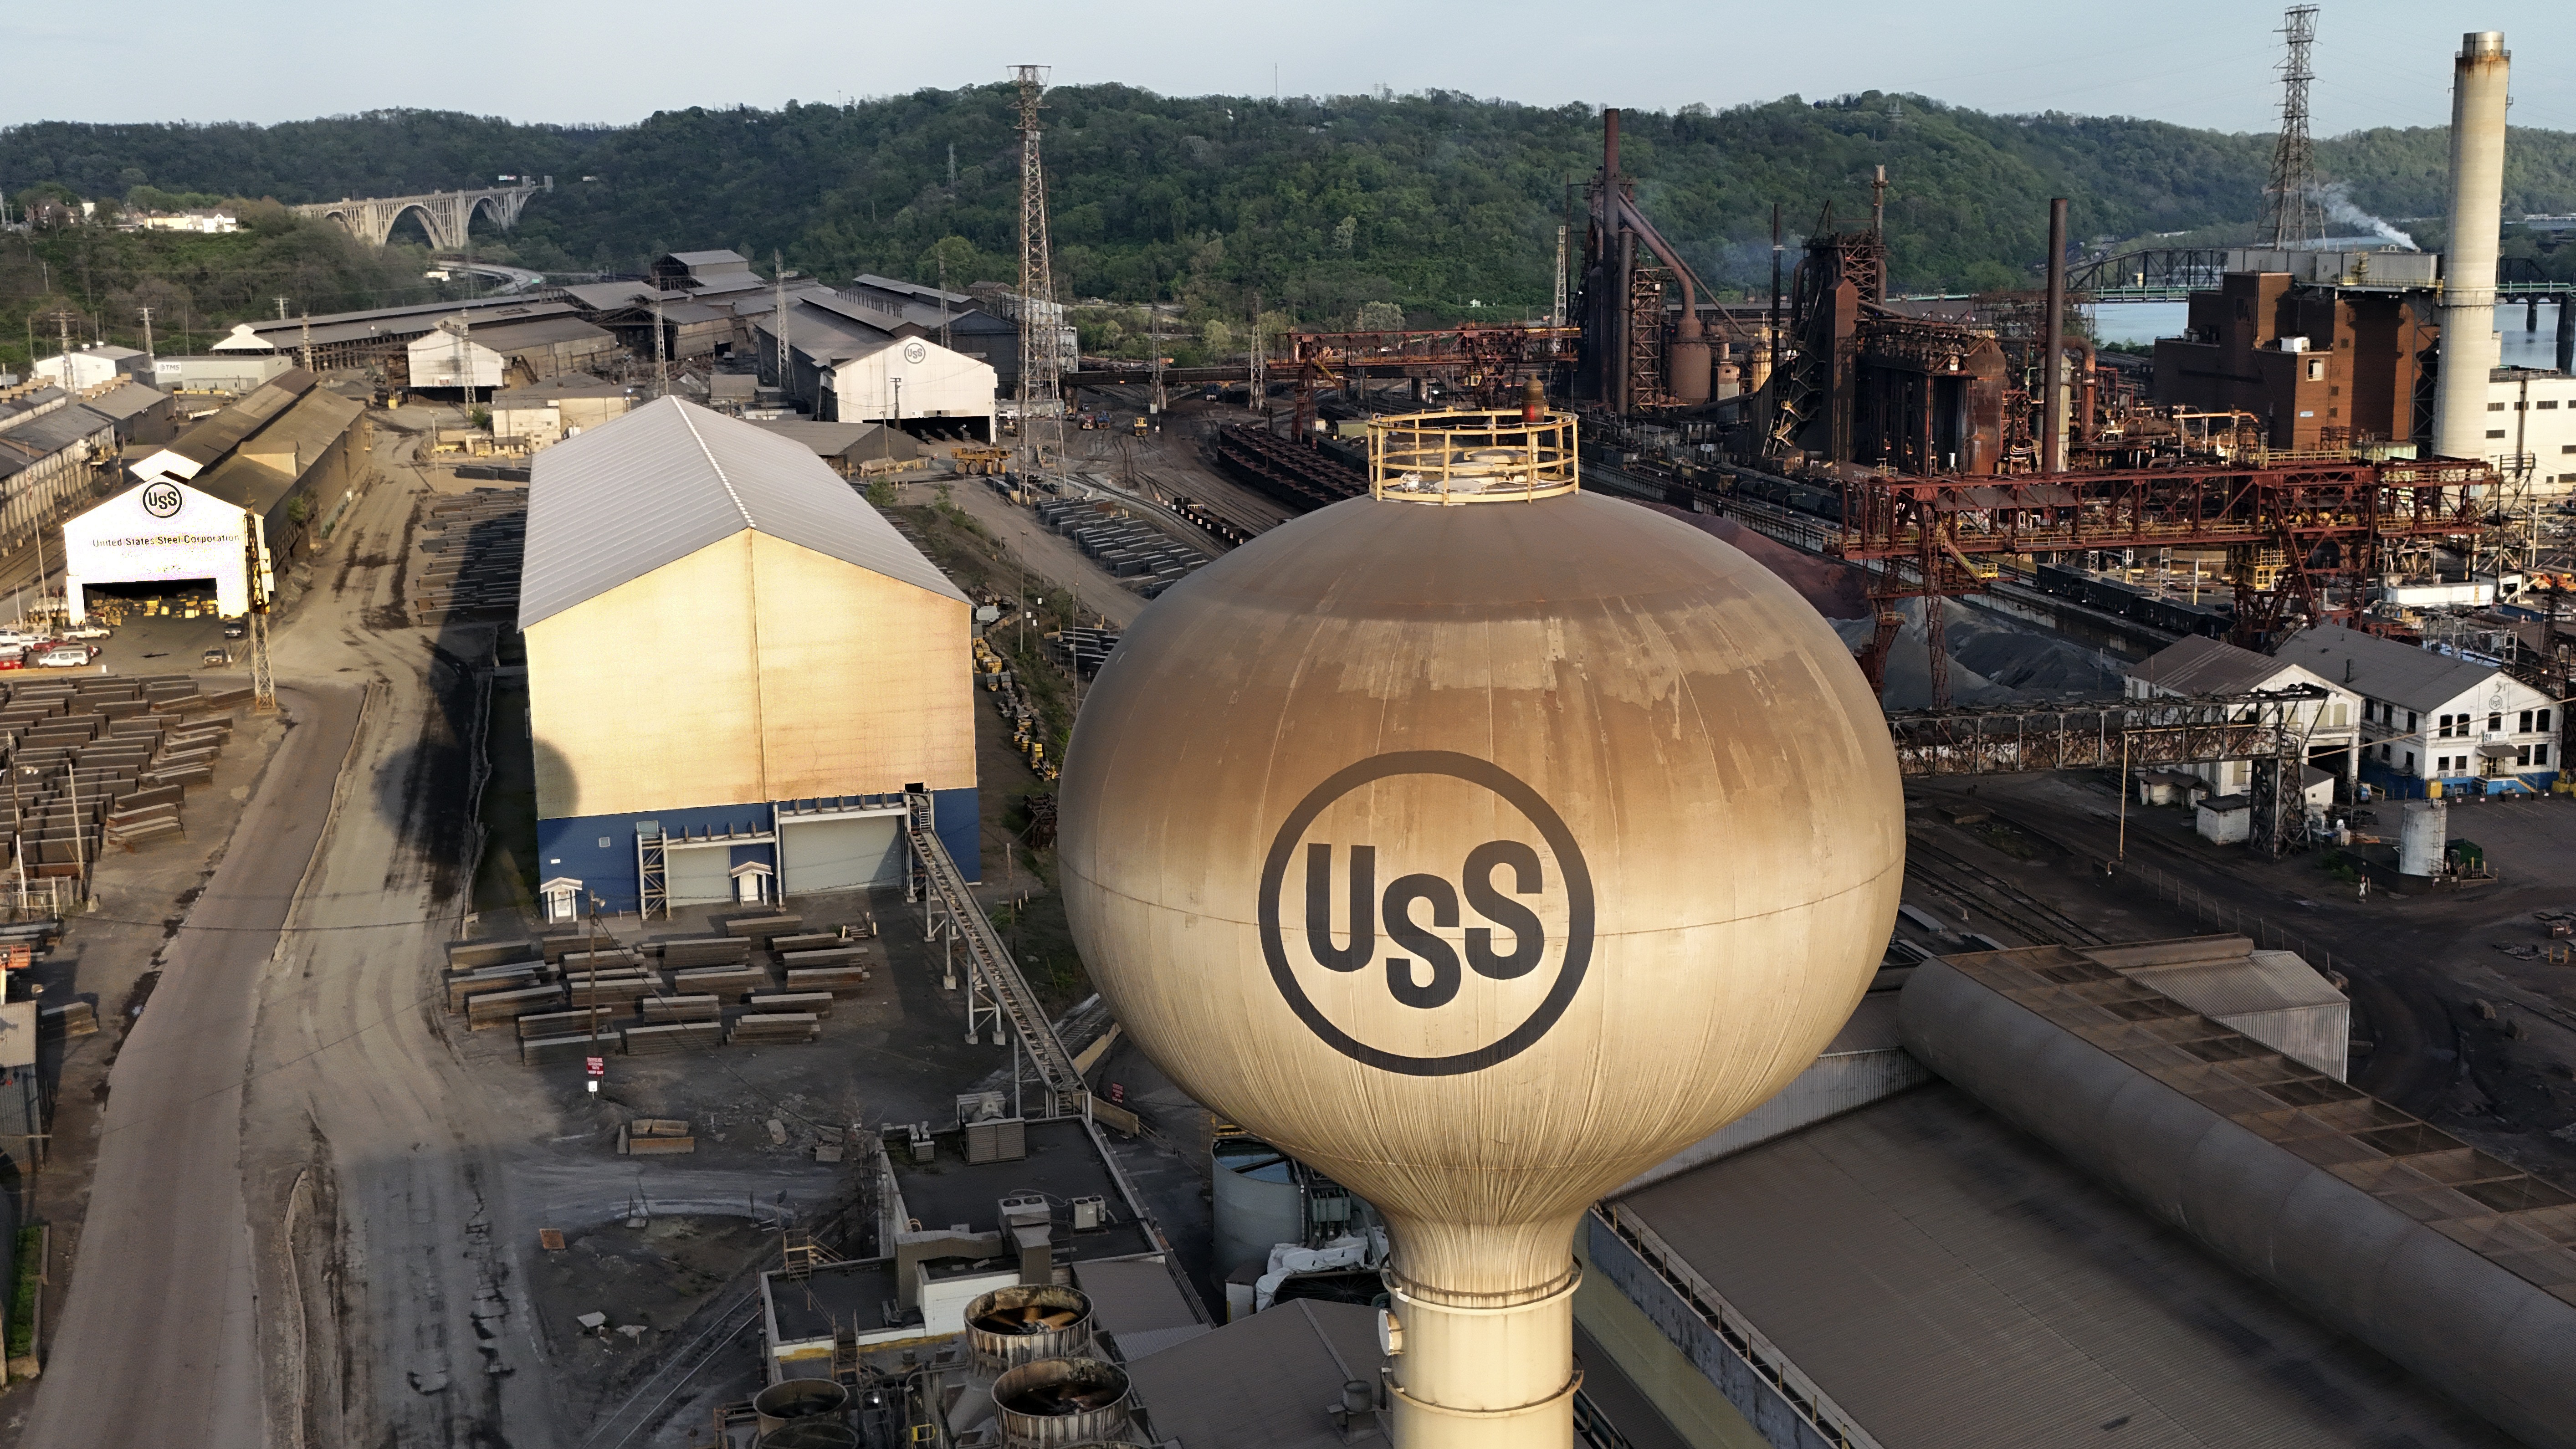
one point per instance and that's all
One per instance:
(545, 413)
(210, 221)
(90, 366)
(2428, 716)
(2198, 666)
(448, 356)
(912, 379)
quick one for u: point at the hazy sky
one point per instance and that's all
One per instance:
(2197, 62)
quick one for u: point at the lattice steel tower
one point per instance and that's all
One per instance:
(1041, 323)
(2292, 215)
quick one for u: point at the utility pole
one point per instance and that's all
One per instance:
(1040, 320)
(1155, 402)
(281, 307)
(147, 331)
(63, 320)
(263, 680)
(1260, 371)
(786, 358)
(661, 374)
(2291, 213)
(308, 342)
(1556, 314)
(943, 266)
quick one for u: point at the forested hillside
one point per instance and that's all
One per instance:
(1437, 203)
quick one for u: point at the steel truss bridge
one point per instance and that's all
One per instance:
(443, 214)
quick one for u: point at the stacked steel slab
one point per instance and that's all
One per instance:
(471, 547)
(104, 760)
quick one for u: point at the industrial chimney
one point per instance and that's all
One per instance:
(2469, 256)
(1481, 841)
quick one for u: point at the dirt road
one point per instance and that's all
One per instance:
(167, 1289)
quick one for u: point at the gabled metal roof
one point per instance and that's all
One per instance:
(670, 478)
(2383, 669)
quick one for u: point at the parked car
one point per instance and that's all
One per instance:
(218, 658)
(68, 656)
(13, 658)
(236, 628)
(90, 631)
(19, 639)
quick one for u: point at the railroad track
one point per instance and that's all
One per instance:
(1975, 888)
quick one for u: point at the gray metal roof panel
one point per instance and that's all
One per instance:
(1953, 1284)
(2384, 669)
(1263, 1382)
(670, 478)
(2206, 666)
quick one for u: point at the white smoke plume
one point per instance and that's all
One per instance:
(2337, 200)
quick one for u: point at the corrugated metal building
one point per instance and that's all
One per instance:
(57, 453)
(732, 659)
(279, 460)
(2107, 1217)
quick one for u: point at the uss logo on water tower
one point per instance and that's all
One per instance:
(1438, 913)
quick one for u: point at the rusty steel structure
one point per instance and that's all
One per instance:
(1639, 355)
(2304, 539)
(1489, 363)
(2267, 727)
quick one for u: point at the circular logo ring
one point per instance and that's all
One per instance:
(1534, 808)
(914, 352)
(162, 500)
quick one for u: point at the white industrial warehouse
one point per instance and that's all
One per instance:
(813, 668)
(272, 466)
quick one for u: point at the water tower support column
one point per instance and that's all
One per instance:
(1488, 1375)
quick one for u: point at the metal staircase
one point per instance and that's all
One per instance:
(995, 989)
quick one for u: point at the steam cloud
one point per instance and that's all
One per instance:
(2337, 200)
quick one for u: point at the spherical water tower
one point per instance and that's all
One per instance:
(1481, 842)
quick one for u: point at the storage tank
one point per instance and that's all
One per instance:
(1056, 1403)
(1257, 1202)
(812, 1434)
(1481, 842)
(2423, 833)
(789, 1400)
(1011, 1326)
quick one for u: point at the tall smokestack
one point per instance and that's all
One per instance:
(2052, 348)
(2469, 257)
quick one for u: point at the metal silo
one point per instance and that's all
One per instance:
(1481, 842)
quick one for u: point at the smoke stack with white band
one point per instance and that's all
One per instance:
(2469, 255)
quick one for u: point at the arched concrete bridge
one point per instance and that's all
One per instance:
(443, 214)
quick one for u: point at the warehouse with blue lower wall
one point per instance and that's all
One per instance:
(738, 672)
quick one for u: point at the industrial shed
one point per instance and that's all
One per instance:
(280, 461)
(462, 355)
(732, 660)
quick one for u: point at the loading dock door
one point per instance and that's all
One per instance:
(699, 874)
(840, 853)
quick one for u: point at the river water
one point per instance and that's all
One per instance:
(2143, 322)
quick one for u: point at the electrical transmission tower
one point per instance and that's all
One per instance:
(1041, 323)
(2293, 216)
